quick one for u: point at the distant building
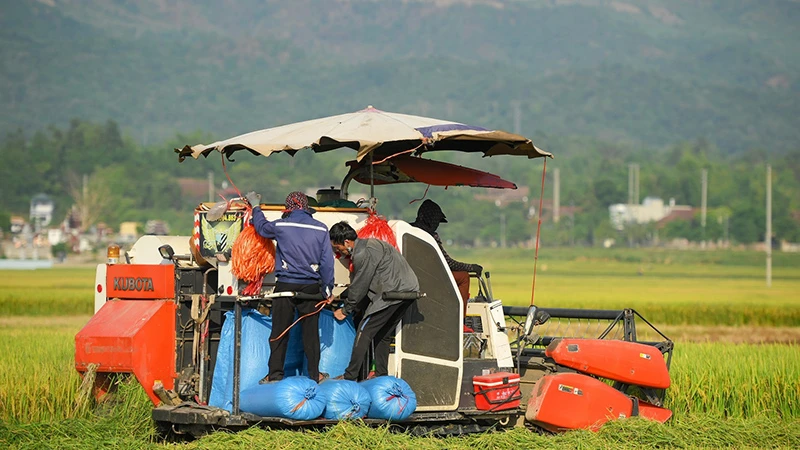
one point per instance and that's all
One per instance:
(55, 236)
(505, 197)
(676, 214)
(790, 247)
(194, 190)
(652, 209)
(501, 197)
(128, 232)
(565, 211)
(156, 227)
(17, 224)
(41, 210)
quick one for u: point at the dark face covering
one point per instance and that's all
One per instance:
(429, 216)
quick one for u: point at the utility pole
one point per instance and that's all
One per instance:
(556, 195)
(768, 237)
(572, 223)
(704, 203)
(210, 186)
(503, 230)
(633, 184)
(629, 210)
(630, 184)
(85, 203)
(727, 219)
(517, 106)
(633, 212)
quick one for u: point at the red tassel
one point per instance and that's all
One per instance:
(378, 227)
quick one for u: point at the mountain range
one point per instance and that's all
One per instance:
(648, 73)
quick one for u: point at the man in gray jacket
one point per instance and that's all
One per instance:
(382, 275)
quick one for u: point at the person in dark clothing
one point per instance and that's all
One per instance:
(429, 216)
(303, 263)
(380, 274)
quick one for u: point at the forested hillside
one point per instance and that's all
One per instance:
(650, 72)
(109, 88)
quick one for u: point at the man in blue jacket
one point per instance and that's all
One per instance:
(303, 264)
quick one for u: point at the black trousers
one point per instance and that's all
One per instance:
(378, 327)
(282, 316)
(358, 314)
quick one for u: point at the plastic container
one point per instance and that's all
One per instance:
(496, 391)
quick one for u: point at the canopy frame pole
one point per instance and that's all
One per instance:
(372, 200)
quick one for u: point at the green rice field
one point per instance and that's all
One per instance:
(723, 394)
(667, 288)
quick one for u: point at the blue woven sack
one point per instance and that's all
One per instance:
(296, 398)
(392, 398)
(345, 399)
(254, 361)
(336, 344)
(254, 356)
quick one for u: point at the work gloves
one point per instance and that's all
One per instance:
(253, 198)
(476, 269)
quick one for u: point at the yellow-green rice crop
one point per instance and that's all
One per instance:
(38, 381)
(730, 380)
(668, 288)
(664, 292)
(47, 292)
(723, 395)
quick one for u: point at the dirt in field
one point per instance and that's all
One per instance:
(678, 333)
(736, 335)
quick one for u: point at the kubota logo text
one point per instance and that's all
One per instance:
(133, 284)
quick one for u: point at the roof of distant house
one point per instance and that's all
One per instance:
(677, 213)
(505, 196)
(193, 187)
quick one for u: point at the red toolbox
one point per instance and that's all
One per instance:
(496, 391)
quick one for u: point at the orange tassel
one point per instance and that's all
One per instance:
(252, 257)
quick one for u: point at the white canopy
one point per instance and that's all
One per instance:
(370, 130)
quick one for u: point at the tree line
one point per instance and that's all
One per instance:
(134, 182)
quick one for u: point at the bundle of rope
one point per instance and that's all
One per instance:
(252, 256)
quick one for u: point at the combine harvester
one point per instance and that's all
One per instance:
(159, 310)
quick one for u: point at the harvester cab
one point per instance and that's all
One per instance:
(161, 310)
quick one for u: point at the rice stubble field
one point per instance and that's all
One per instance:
(735, 371)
